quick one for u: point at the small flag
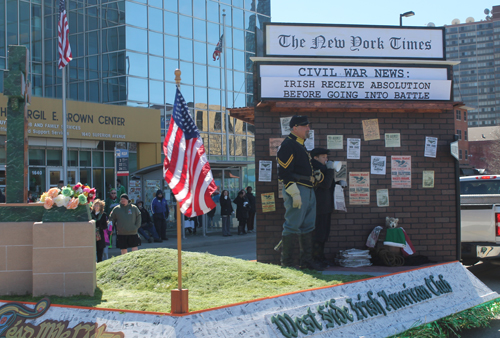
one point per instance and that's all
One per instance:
(218, 49)
(186, 168)
(63, 36)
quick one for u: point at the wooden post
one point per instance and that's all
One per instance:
(179, 297)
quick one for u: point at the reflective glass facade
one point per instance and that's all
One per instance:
(125, 53)
(477, 78)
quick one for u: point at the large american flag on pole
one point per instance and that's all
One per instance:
(186, 168)
(63, 36)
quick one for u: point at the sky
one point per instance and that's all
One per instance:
(381, 12)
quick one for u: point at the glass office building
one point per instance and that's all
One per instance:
(477, 78)
(125, 53)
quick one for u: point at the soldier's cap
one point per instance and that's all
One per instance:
(298, 120)
(319, 151)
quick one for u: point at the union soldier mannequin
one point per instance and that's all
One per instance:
(296, 172)
(324, 202)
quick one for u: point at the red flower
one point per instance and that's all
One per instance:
(76, 187)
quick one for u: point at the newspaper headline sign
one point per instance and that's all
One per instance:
(354, 41)
(341, 82)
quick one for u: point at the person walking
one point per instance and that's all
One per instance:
(101, 225)
(251, 210)
(127, 219)
(226, 209)
(159, 207)
(296, 173)
(242, 208)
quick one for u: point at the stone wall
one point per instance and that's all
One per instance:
(46, 258)
(427, 215)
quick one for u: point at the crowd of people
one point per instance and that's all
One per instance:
(116, 216)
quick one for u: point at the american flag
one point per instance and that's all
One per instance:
(218, 49)
(186, 168)
(63, 36)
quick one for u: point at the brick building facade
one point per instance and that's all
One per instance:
(428, 215)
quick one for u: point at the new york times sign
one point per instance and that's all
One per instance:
(332, 314)
(354, 41)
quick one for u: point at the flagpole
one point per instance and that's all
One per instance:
(179, 297)
(65, 145)
(225, 81)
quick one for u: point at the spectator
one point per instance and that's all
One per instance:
(159, 207)
(101, 225)
(242, 207)
(120, 189)
(225, 212)
(112, 201)
(30, 197)
(147, 225)
(60, 185)
(127, 220)
(2, 197)
(251, 210)
(215, 197)
(107, 240)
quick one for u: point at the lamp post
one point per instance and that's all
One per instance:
(406, 14)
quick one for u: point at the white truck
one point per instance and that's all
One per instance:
(480, 218)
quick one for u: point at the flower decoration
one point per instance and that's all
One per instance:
(69, 197)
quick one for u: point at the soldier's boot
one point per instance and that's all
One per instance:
(306, 248)
(287, 251)
(319, 253)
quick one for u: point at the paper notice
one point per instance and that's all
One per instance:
(359, 188)
(335, 141)
(353, 148)
(378, 165)
(430, 146)
(268, 203)
(265, 171)
(382, 197)
(428, 179)
(370, 130)
(401, 171)
(393, 140)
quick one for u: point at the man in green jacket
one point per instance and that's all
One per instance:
(126, 218)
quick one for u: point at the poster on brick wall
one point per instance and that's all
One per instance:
(392, 140)
(371, 130)
(309, 142)
(265, 171)
(285, 125)
(401, 172)
(430, 146)
(342, 173)
(428, 179)
(274, 145)
(359, 188)
(334, 141)
(382, 198)
(353, 148)
(268, 204)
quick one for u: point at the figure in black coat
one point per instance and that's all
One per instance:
(251, 210)
(242, 207)
(324, 203)
(226, 211)
(101, 224)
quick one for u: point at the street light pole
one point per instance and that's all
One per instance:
(406, 14)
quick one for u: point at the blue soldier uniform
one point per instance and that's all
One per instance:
(296, 172)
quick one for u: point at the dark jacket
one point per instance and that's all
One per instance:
(241, 210)
(226, 208)
(126, 219)
(101, 224)
(159, 206)
(251, 202)
(145, 218)
(2, 197)
(324, 189)
(294, 162)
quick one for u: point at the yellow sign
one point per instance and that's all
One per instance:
(268, 204)
(88, 121)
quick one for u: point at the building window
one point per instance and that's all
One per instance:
(460, 154)
(466, 155)
(459, 116)
(459, 133)
(465, 135)
(465, 116)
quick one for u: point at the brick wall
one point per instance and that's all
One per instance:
(427, 215)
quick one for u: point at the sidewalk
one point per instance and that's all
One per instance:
(191, 241)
